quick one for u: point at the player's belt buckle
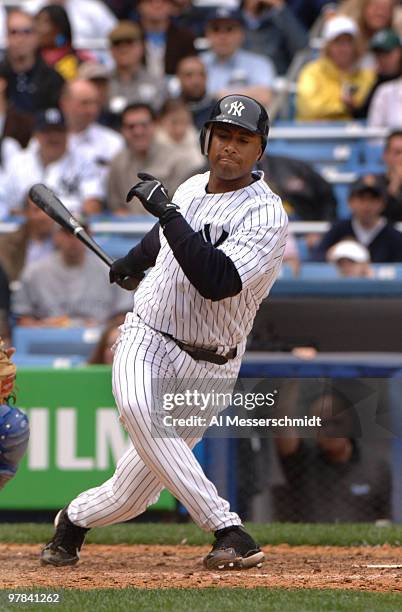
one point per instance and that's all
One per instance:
(200, 354)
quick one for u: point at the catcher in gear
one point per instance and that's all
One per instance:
(14, 426)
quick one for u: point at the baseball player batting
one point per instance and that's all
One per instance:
(214, 255)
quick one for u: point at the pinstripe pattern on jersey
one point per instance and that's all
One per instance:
(152, 463)
(256, 224)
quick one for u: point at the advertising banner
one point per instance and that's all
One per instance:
(76, 437)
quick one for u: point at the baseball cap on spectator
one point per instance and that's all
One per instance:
(385, 41)
(125, 31)
(92, 71)
(336, 26)
(222, 13)
(49, 119)
(349, 249)
(367, 184)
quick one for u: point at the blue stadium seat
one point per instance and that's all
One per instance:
(343, 156)
(116, 245)
(373, 157)
(313, 270)
(56, 342)
(341, 191)
(49, 361)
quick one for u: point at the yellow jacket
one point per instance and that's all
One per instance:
(320, 86)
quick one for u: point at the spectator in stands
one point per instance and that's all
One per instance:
(32, 85)
(177, 131)
(120, 8)
(308, 12)
(9, 124)
(331, 477)
(30, 242)
(387, 49)
(367, 224)
(305, 194)
(273, 30)
(352, 259)
(68, 287)
(333, 86)
(385, 107)
(192, 76)
(191, 15)
(143, 153)
(51, 161)
(391, 180)
(81, 106)
(14, 123)
(53, 29)
(4, 307)
(102, 353)
(165, 43)
(91, 20)
(231, 69)
(98, 75)
(371, 17)
(130, 81)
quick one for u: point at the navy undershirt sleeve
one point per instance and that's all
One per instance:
(207, 268)
(143, 256)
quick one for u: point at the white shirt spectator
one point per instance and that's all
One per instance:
(74, 178)
(242, 69)
(50, 288)
(101, 144)
(90, 19)
(3, 17)
(99, 141)
(386, 106)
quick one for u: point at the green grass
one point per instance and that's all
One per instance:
(170, 533)
(211, 600)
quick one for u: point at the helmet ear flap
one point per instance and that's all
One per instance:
(205, 138)
(263, 147)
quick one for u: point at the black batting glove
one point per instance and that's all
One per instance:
(153, 197)
(122, 273)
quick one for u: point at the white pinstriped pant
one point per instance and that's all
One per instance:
(152, 463)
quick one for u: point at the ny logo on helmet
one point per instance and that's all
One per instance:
(236, 108)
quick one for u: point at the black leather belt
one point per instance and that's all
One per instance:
(201, 354)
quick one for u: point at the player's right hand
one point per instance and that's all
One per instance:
(121, 273)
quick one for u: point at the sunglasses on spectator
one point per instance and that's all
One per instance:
(15, 31)
(125, 41)
(132, 126)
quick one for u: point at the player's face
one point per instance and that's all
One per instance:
(233, 152)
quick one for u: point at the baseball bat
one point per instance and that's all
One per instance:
(45, 199)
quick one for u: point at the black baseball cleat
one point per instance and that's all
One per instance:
(64, 548)
(234, 549)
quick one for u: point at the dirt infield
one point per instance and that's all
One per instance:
(180, 566)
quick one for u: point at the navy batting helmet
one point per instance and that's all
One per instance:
(14, 436)
(238, 110)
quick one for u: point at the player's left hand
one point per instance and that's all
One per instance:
(153, 196)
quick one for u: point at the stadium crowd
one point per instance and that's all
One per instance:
(92, 92)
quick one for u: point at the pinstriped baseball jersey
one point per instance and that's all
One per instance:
(250, 226)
